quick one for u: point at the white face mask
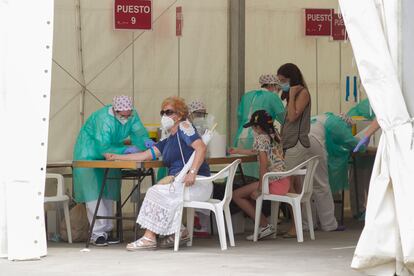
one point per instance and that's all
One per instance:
(166, 122)
(122, 119)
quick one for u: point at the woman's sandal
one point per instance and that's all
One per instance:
(168, 241)
(142, 243)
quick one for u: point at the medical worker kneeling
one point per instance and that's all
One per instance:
(106, 130)
(331, 138)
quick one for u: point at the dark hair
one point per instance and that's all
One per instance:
(293, 73)
(270, 129)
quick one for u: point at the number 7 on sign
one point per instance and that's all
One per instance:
(319, 27)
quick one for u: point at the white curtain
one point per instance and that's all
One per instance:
(26, 32)
(386, 245)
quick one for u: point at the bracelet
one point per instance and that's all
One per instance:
(154, 157)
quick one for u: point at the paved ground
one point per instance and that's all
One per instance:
(329, 254)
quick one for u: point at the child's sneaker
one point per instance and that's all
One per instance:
(263, 232)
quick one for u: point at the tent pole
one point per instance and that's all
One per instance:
(179, 66)
(82, 80)
(236, 64)
(317, 77)
(340, 77)
(133, 68)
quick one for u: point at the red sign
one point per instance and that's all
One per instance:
(318, 22)
(179, 21)
(133, 14)
(338, 27)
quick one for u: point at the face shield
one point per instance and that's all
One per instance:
(202, 122)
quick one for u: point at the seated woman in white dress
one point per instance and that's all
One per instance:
(159, 213)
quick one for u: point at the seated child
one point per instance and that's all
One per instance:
(268, 147)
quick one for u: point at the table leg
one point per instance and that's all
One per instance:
(119, 228)
(356, 184)
(343, 206)
(137, 207)
(153, 176)
(96, 209)
(239, 167)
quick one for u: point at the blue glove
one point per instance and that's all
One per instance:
(149, 143)
(363, 142)
(131, 149)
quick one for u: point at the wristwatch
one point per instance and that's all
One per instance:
(193, 171)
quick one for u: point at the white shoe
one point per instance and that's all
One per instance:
(263, 232)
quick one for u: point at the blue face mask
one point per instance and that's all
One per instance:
(285, 87)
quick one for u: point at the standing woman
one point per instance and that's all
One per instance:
(296, 126)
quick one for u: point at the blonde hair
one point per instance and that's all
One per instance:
(179, 105)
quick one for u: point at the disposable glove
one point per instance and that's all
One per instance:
(149, 143)
(131, 149)
(363, 142)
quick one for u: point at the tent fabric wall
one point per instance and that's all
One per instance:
(386, 245)
(25, 76)
(141, 64)
(144, 64)
(275, 35)
(90, 57)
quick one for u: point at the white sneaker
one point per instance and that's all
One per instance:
(263, 232)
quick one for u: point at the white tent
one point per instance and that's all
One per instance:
(386, 245)
(91, 63)
(25, 77)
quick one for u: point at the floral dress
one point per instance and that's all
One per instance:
(275, 162)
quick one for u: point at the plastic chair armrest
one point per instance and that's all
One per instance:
(60, 183)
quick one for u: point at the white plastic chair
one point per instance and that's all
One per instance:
(62, 198)
(215, 205)
(307, 169)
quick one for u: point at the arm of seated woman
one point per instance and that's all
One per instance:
(200, 153)
(139, 156)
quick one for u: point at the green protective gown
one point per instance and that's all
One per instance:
(363, 108)
(339, 143)
(103, 133)
(251, 102)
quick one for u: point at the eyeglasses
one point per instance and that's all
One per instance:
(167, 112)
(198, 114)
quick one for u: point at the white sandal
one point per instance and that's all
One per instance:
(142, 243)
(168, 241)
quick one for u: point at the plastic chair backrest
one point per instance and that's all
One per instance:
(228, 192)
(310, 165)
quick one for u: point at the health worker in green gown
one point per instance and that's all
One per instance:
(106, 130)
(363, 163)
(363, 109)
(331, 139)
(265, 98)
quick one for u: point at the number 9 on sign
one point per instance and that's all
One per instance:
(133, 20)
